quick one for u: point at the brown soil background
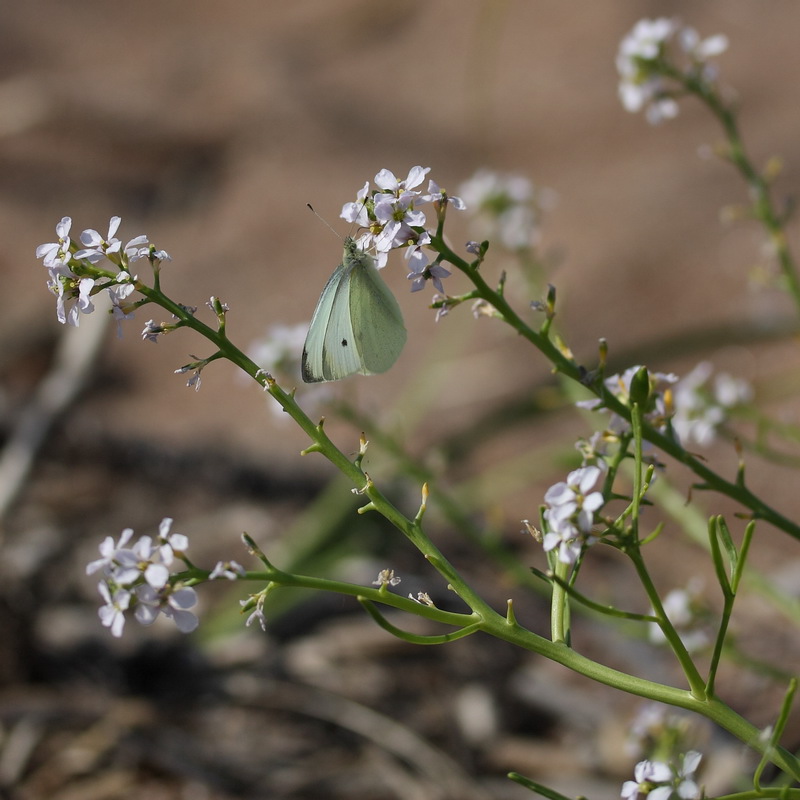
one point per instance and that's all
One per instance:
(209, 127)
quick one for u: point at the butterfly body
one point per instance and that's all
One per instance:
(357, 327)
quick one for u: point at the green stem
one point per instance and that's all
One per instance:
(567, 366)
(322, 444)
(709, 707)
(502, 627)
(559, 605)
(762, 205)
(696, 682)
(780, 793)
(415, 638)
(507, 629)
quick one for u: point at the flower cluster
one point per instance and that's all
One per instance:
(393, 218)
(657, 780)
(570, 513)
(255, 605)
(386, 577)
(655, 59)
(230, 570)
(76, 274)
(506, 208)
(689, 408)
(657, 730)
(694, 406)
(659, 402)
(136, 577)
(701, 406)
(594, 449)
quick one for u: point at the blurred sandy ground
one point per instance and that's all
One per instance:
(209, 127)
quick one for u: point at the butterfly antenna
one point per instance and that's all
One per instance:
(323, 221)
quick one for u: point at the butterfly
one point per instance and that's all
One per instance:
(357, 325)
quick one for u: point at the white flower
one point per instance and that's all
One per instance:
(398, 208)
(593, 450)
(154, 572)
(137, 577)
(74, 290)
(570, 499)
(386, 181)
(436, 195)
(170, 544)
(118, 294)
(420, 271)
(423, 598)
(687, 788)
(108, 550)
(701, 409)
(702, 49)
(645, 773)
(123, 285)
(119, 563)
(170, 602)
(730, 391)
(386, 577)
(258, 613)
(473, 247)
(57, 254)
(398, 218)
(656, 725)
(356, 213)
(647, 38)
(646, 53)
(156, 575)
(95, 246)
(68, 288)
(134, 252)
(389, 214)
(570, 513)
(112, 614)
(444, 309)
(230, 570)
(151, 331)
(83, 302)
(505, 206)
(657, 780)
(517, 228)
(620, 387)
(487, 188)
(195, 378)
(641, 86)
(695, 419)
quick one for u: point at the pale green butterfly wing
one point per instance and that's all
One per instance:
(376, 318)
(311, 365)
(331, 319)
(339, 353)
(357, 325)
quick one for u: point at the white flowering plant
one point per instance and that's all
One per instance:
(643, 416)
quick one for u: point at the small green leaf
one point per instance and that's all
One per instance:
(544, 791)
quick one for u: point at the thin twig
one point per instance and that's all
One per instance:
(72, 366)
